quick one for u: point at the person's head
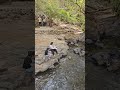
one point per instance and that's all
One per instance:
(51, 43)
(31, 53)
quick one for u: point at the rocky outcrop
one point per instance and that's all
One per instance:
(45, 65)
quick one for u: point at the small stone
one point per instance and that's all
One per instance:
(76, 50)
(82, 53)
(69, 57)
(76, 45)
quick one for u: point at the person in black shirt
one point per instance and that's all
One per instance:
(28, 66)
(28, 60)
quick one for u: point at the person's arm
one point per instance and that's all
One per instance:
(55, 47)
(50, 46)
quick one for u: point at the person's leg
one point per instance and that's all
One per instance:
(52, 50)
(55, 50)
(43, 23)
(39, 23)
(28, 77)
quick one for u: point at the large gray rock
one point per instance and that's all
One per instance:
(45, 65)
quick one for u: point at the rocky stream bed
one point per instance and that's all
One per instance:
(69, 72)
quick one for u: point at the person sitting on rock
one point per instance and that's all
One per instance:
(53, 48)
(28, 61)
(27, 65)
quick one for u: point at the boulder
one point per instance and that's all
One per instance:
(45, 65)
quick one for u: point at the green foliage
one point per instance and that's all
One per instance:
(69, 11)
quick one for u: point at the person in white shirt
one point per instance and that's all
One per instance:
(53, 48)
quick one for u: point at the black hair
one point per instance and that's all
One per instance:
(31, 53)
(51, 43)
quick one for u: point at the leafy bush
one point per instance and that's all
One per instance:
(69, 11)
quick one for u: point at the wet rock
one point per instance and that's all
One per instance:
(76, 50)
